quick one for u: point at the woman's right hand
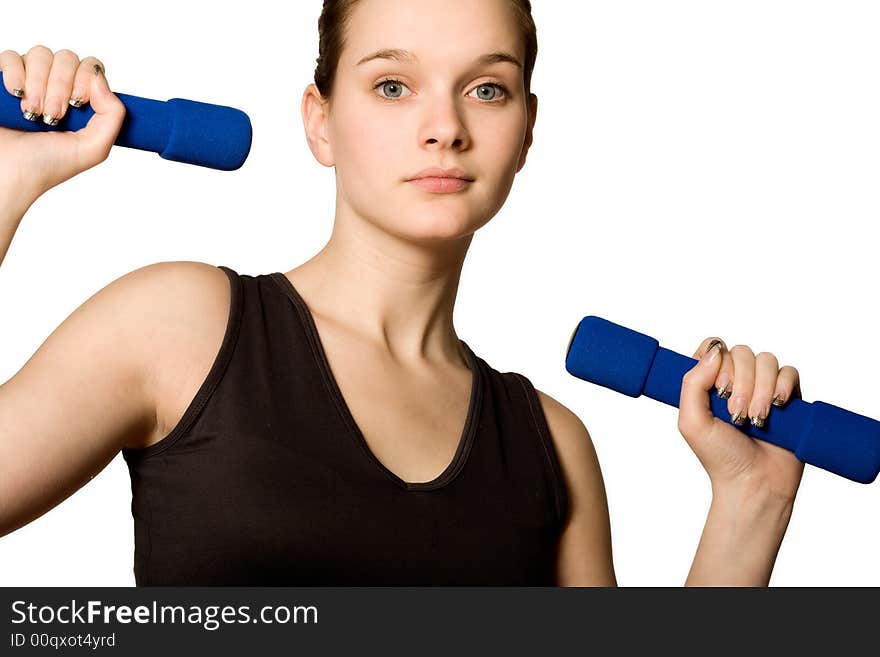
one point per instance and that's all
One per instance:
(31, 163)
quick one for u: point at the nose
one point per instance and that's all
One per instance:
(444, 127)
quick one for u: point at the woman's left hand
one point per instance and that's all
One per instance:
(753, 385)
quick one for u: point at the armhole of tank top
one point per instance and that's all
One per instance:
(540, 422)
(230, 337)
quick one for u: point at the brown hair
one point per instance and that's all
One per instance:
(333, 23)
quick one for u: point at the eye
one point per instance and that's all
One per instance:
(491, 85)
(392, 85)
(395, 87)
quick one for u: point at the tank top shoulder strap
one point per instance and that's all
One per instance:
(215, 374)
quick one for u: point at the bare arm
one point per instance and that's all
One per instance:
(743, 532)
(90, 389)
(12, 209)
(86, 393)
(741, 539)
(754, 483)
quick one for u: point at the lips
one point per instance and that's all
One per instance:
(440, 185)
(436, 172)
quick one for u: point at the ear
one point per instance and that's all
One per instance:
(315, 114)
(533, 114)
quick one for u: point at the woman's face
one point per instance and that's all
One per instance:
(444, 109)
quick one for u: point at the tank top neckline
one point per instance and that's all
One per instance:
(466, 439)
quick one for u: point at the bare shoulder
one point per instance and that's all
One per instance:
(180, 291)
(585, 557)
(103, 379)
(188, 309)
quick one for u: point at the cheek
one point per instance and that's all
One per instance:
(504, 140)
(368, 148)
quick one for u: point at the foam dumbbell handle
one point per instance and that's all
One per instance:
(180, 130)
(634, 364)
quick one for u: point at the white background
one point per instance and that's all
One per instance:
(699, 168)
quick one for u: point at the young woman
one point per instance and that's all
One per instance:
(326, 425)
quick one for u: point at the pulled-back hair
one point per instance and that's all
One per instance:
(333, 23)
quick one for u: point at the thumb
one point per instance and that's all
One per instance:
(97, 137)
(694, 405)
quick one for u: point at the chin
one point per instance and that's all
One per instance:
(436, 227)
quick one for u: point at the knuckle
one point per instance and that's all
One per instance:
(66, 54)
(741, 349)
(766, 355)
(39, 49)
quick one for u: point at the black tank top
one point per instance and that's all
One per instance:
(267, 480)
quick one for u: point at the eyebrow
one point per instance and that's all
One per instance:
(406, 56)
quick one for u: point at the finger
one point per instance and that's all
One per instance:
(37, 62)
(12, 67)
(695, 415)
(705, 344)
(82, 81)
(788, 386)
(724, 380)
(743, 383)
(59, 85)
(99, 134)
(766, 371)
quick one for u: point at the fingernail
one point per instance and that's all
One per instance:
(724, 390)
(97, 68)
(778, 400)
(738, 418)
(712, 351)
(76, 99)
(739, 415)
(18, 93)
(30, 116)
(757, 421)
(50, 120)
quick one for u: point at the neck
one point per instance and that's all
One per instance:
(395, 293)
